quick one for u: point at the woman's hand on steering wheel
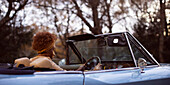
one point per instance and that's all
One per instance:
(87, 66)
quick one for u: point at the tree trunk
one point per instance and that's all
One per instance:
(7, 17)
(161, 31)
(96, 20)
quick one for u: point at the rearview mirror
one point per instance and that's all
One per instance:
(62, 62)
(116, 40)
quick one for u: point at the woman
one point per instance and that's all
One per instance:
(43, 43)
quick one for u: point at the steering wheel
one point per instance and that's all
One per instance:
(88, 65)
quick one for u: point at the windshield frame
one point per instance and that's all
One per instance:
(126, 34)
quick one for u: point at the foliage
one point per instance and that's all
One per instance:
(149, 28)
(13, 7)
(13, 33)
(148, 35)
(12, 38)
(101, 14)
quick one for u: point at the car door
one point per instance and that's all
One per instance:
(152, 75)
(44, 78)
(109, 77)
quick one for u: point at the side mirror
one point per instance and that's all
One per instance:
(141, 64)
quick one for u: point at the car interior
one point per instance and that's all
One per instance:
(112, 51)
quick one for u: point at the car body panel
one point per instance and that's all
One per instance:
(44, 78)
(103, 77)
(130, 76)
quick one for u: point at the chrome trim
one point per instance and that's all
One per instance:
(130, 49)
(121, 69)
(109, 34)
(110, 70)
(89, 72)
(151, 66)
(58, 72)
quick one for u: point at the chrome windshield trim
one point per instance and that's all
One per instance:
(58, 72)
(144, 49)
(129, 45)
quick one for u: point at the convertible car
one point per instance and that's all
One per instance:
(120, 57)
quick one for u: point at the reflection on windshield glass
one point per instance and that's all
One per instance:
(138, 53)
(91, 48)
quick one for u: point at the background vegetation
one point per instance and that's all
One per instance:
(148, 20)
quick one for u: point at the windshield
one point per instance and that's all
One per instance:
(99, 47)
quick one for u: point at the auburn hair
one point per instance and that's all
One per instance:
(43, 40)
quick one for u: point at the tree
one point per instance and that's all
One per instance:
(161, 31)
(101, 15)
(14, 6)
(152, 31)
(148, 35)
(12, 38)
(13, 33)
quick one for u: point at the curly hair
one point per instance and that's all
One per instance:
(43, 40)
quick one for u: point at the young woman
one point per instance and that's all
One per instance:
(44, 44)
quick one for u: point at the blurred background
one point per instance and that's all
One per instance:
(20, 20)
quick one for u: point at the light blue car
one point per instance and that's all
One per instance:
(124, 61)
